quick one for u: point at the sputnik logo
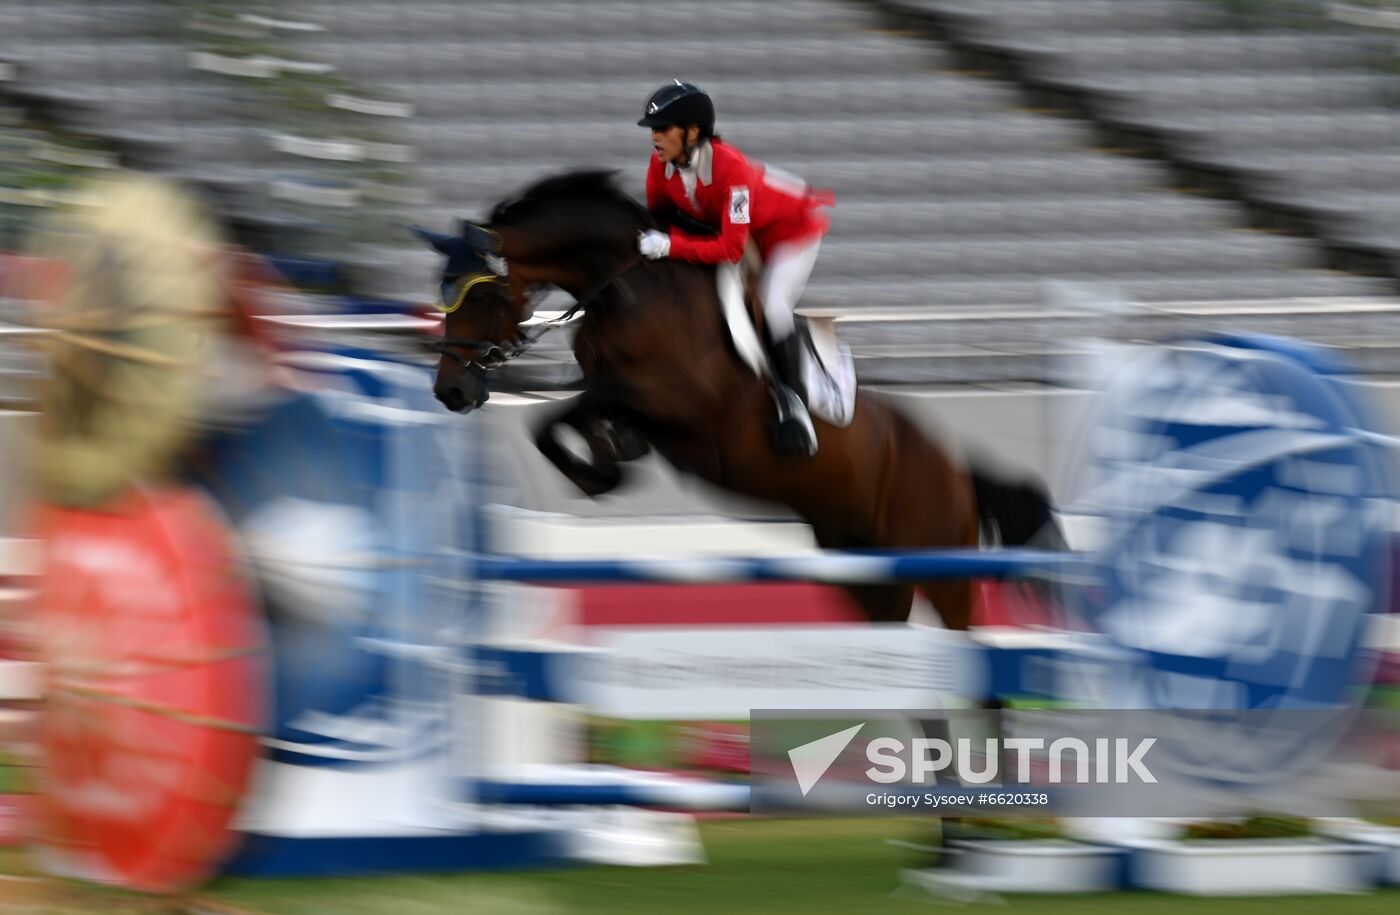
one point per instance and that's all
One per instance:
(811, 760)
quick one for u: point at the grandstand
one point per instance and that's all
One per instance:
(989, 157)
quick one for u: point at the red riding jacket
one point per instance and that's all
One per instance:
(742, 198)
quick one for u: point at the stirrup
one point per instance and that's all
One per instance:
(794, 433)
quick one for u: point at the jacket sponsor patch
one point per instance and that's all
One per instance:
(739, 206)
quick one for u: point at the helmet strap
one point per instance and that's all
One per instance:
(689, 146)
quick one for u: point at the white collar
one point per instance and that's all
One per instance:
(702, 164)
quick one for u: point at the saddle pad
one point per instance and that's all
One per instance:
(828, 369)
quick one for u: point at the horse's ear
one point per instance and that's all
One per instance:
(481, 238)
(442, 243)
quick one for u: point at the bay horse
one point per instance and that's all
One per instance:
(659, 370)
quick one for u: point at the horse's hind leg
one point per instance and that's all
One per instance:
(925, 503)
(952, 600)
(883, 603)
(879, 603)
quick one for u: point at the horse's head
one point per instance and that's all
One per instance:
(479, 314)
(573, 231)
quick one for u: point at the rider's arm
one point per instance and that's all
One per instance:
(657, 198)
(728, 246)
(733, 184)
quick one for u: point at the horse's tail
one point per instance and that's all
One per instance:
(1016, 513)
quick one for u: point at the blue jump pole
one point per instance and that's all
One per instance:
(676, 795)
(832, 567)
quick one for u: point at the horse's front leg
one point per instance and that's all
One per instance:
(608, 439)
(604, 420)
(618, 437)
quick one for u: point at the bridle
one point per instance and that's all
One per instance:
(492, 355)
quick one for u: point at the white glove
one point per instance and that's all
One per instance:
(654, 244)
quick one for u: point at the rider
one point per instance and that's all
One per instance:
(710, 180)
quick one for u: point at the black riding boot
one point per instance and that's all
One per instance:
(794, 433)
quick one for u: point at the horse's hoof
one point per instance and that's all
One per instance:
(599, 482)
(593, 478)
(631, 445)
(621, 442)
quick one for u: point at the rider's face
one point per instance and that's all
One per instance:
(669, 142)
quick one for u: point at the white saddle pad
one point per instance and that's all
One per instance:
(827, 367)
(829, 371)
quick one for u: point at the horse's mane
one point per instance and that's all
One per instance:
(587, 185)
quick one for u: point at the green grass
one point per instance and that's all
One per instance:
(770, 867)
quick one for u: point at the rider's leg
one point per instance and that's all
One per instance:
(785, 277)
(788, 267)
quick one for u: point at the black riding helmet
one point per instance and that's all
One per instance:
(680, 103)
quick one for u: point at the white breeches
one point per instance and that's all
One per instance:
(784, 278)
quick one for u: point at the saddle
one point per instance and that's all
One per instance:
(828, 369)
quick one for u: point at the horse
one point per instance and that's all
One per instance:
(660, 371)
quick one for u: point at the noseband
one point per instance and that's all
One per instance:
(490, 355)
